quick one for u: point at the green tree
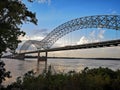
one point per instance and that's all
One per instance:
(3, 72)
(13, 13)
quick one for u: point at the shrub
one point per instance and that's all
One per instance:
(89, 79)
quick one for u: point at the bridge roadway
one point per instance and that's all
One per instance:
(109, 43)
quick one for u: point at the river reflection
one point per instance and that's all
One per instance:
(20, 67)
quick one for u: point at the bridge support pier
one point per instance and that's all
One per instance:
(20, 56)
(46, 53)
(38, 56)
(44, 58)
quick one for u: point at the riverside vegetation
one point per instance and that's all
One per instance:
(88, 79)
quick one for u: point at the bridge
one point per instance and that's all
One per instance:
(97, 21)
(110, 43)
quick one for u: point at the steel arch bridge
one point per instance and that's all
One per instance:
(96, 21)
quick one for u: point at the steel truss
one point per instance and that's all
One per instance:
(97, 21)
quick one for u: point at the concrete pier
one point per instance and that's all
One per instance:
(43, 58)
(19, 56)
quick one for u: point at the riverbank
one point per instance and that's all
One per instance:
(71, 58)
(85, 58)
(88, 79)
(20, 67)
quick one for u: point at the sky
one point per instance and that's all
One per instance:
(52, 13)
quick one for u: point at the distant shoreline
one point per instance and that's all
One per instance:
(76, 58)
(72, 58)
(85, 58)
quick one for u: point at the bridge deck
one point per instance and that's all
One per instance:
(82, 46)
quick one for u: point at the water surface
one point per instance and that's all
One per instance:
(20, 67)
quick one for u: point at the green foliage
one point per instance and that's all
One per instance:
(88, 79)
(13, 13)
(3, 73)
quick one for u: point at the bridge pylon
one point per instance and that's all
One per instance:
(43, 58)
(19, 56)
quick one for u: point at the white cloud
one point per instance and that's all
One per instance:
(112, 11)
(101, 34)
(30, 38)
(92, 34)
(39, 38)
(59, 44)
(38, 34)
(23, 38)
(42, 32)
(83, 40)
(92, 37)
(44, 1)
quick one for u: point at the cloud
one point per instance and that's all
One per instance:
(112, 11)
(42, 32)
(101, 34)
(92, 37)
(36, 35)
(59, 43)
(25, 38)
(83, 40)
(44, 1)
(92, 34)
(39, 38)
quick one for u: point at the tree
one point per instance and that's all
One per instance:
(3, 72)
(13, 13)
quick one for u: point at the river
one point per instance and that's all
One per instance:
(20, 67)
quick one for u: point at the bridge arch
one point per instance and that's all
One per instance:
(97, 21)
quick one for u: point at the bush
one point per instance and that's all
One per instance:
(88, 79)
